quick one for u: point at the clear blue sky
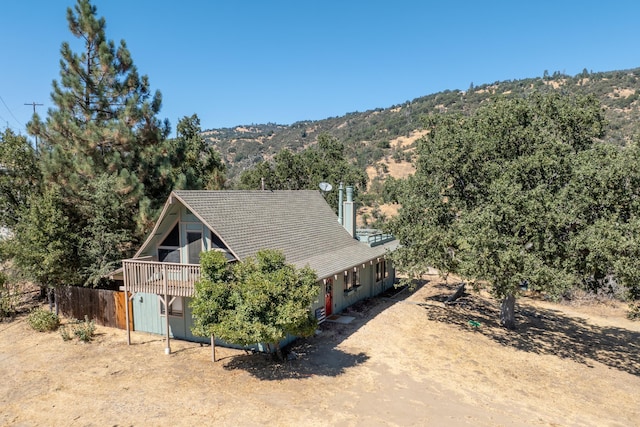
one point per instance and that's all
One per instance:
(243, 62)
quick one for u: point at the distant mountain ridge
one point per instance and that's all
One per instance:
(367, 134)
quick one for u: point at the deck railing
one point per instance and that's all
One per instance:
(152, 277)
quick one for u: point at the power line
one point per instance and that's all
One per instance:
(6, 123)
(10, 112)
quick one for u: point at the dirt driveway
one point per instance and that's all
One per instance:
(402, 361)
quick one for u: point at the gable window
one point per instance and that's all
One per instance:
(173, 238)
(194, 245)
(169, 249)
(169, 255)
(216, 242)
(176, 306)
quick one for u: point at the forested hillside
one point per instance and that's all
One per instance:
(366, 135)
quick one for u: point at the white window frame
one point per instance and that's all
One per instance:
(348, 284)
(351, 280)
(172, 310)
(381, 270)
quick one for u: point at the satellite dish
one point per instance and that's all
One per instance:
(325, 187)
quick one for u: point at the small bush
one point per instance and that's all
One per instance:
(9, 296)
(85, 330)
(634, 311)
(65, 334)
(43, 320)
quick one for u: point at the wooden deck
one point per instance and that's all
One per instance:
(162, 278)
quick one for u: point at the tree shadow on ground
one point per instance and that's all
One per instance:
(541, 331)
(319, 355)
(332, 362)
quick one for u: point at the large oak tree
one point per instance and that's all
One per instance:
(490, 199)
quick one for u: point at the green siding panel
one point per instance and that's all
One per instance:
(147, 318)
(146, 313)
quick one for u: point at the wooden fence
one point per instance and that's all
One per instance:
(103, 306)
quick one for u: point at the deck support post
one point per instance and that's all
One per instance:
(126, 301)
(167, 349)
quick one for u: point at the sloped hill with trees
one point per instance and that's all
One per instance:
(366, 135)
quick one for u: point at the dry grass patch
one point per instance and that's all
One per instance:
(405, 360)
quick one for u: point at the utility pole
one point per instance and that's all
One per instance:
(35, 104)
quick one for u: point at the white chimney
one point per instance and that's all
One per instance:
(350, 213)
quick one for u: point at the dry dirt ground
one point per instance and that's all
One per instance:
(405, 360)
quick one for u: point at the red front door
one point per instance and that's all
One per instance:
(328, 297)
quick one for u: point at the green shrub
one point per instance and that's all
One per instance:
(634, 311)
(65, 334)
(8, 296)
(43, 320)
(85, 330)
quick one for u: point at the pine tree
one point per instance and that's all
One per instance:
(104, 120)
(19, 176)
(103, 149)
(45, 242)
(196, 165)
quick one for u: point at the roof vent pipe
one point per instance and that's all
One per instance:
(340, 191)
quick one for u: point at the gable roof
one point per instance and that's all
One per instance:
(300, 223)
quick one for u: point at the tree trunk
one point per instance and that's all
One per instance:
(50, 297)
(55, 303)
(507, 312)
(459, 292)
(278, 353)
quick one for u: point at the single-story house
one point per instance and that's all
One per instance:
(240, 223)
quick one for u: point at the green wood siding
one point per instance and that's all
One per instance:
(146, 313)
(147, 318)
(369, 287)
